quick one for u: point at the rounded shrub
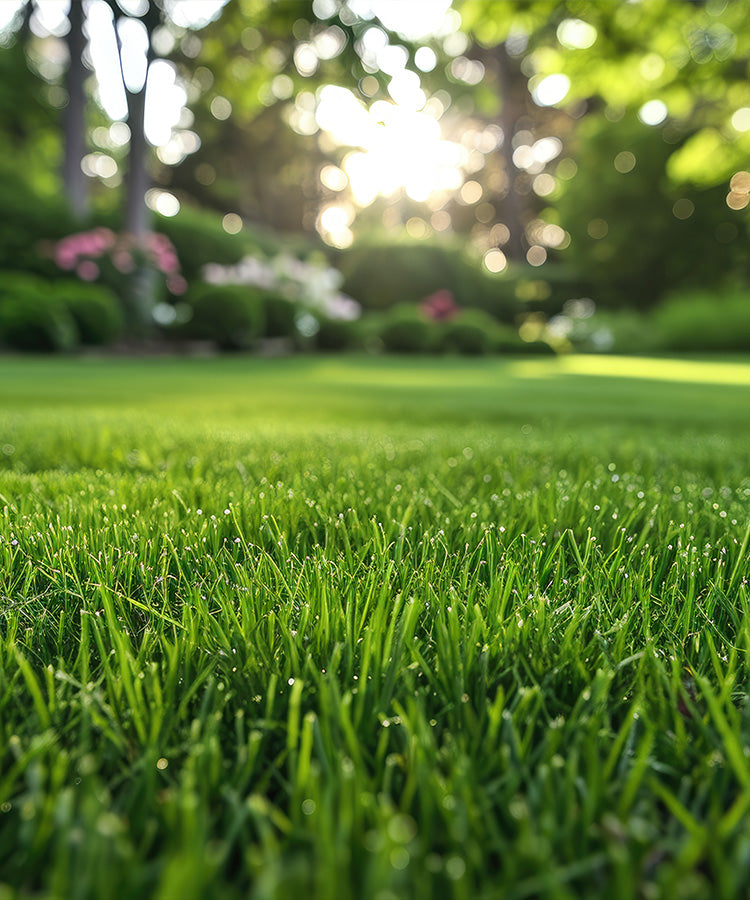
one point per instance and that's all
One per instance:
(404, 330)
(279, 314)
(337, 335)
(532, 348)
(32, 317)
(94, 308)
(469, 333)
(229, 314)
(29, 221)
(380, 275)
(507, 341)
(704, 320)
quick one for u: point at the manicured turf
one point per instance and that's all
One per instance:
(364, 629)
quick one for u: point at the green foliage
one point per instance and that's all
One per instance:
(610, 331)
(471, 332)
(230, 315)
(705, 320)
(550, 287)
(698, 320)
(199, 238)
(278, 316)
(337, 335)
(403, 329)
(380, 275)
(374, 627)
(706, 157)
(529, 348)
(33, 317)
(633, 234)
(29, 221)
(95, 310)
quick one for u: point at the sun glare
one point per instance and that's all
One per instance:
(398, 147)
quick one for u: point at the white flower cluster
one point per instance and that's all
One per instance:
(313, 285)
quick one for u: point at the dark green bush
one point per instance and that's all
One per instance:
(470, 333)
(29, 223)
(507, 341)
(199, 238)
(548, 288)
(279, 313)
(704, 320)
(32, 317)
(404, 329)
(381, 275)
(616, 331)
(231, 315)
(530, 348)
(337, 335)
(95, 310)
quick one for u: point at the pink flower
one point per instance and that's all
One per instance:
(65, 257)
(439, 306)
(176, 284)
(78, 251)
(167, 262)
(87, 270)
(123, 261)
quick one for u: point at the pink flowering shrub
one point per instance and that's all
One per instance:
(87, 253)
(440, 306)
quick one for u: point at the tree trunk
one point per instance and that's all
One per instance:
(512, 90)
(141, 295)
(74, 120)
(137, 182)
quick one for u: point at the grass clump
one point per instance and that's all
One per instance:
(357, 629)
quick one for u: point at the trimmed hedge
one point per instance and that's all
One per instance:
(95, 311)
(704, 320)
(382, 275)
(32, 317)
(470, 333)
(231, 315)
(405, 330)
(279, 314)
(337, 335)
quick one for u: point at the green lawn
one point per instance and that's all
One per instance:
(365, 629)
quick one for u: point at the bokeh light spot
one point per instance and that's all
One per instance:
(536, 255)
(333, 178)
(625, 162)
(740, 182)
(737, 199)
(471, 192)
(221, 108)
(741, 119)
(683, 208)
(544, 185)
(654, 112)
(597, 229)
(425, 59)
(417, 228)
(163, 202)
(551, 90)
(575, 34)
(231, 223)
(440, 220)
(495, 260)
